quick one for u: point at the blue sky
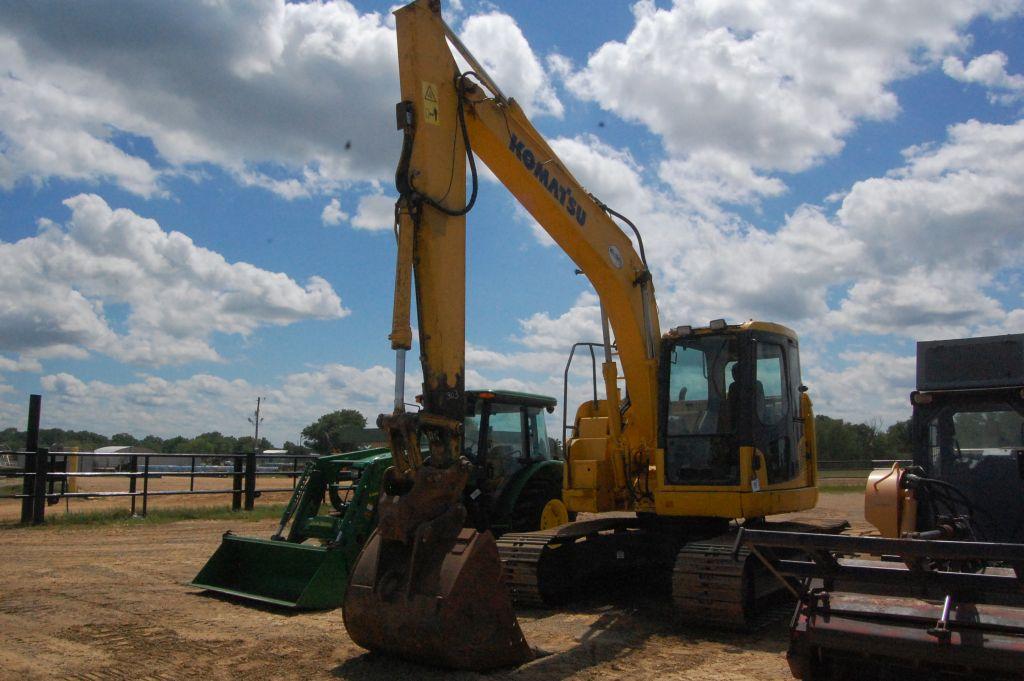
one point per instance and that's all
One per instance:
(194, 200)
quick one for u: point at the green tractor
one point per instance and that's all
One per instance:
(305, 565)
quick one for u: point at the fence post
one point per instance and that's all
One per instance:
(250, 480)
(145, 485)
(39, 486)
(192, 476)
(236, 483)
(133, 467)
(31, 445)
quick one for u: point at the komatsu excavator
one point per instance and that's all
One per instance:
(713, 423)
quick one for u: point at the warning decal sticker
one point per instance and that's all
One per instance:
(430, 103)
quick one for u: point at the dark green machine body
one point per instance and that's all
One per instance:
(335, 501)
(283, 570)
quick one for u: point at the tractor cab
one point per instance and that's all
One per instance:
(731, 394)
(505, 437)
(967, 431)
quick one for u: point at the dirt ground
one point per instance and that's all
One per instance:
(111, 602)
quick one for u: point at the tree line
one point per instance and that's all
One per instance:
(56, 439)
(838, 440)
(861, 442)
(331, 432)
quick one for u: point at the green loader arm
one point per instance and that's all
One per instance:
(304, 576)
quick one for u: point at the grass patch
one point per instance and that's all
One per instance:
(157, 516)
(7, 487)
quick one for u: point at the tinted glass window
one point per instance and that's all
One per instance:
(703, 408)
(540, 446)
(699, 381)
(771, 397)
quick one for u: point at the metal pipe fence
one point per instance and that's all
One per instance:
(46, 479)
(858, 466)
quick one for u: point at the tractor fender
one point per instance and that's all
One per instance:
(510, 494)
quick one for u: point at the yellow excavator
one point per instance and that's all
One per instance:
(709, 425)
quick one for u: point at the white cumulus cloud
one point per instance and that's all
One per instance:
(498, 43)
(204, 402)
(296, 98)
(69, 290)
(988, 70)
(332, 213)
(737, 89)
(375, 212)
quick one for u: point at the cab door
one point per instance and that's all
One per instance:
(776, 428)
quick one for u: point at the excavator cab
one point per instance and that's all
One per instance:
(735, 431)
(731, 395)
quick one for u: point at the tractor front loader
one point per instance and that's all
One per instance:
(283, 570)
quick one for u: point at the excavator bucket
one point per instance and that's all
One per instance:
(444, 606)
(424, 587)
(280, 573)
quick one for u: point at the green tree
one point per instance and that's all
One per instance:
(123, 439)
(171, 445)
(293, 448)
(896, 441)
(327, 433)
(245, 444)
(152, 442)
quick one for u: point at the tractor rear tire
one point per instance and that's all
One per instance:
(527, 511)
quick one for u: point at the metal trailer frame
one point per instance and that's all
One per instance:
(908, 608)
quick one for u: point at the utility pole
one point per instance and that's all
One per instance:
(255, 419)
(250, 460)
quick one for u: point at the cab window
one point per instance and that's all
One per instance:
(540, 445)
(771, 398)
(703, 412)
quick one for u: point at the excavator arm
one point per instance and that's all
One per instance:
(424, 587)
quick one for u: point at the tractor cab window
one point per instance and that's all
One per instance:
(975, 447)
(703, 412)
(537, 434)
(966, 436)
(494, 439)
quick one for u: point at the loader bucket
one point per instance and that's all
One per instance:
(286, 574)
(448, 609)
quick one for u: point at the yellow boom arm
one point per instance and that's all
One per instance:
(441, 111)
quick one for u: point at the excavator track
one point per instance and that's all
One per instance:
(521, 555)
(714, 584)
(542, 568)
(710, 586)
